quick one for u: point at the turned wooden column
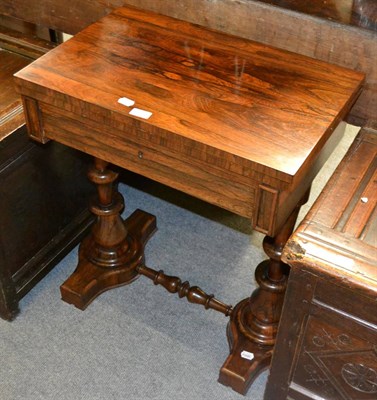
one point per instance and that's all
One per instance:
(111, 255)
(254, 321)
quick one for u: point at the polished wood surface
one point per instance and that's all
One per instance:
(333, 334)
(309, 32)
(202, 89)
(233, 122)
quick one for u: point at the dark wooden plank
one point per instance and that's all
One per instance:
(10, 63)
(348, 203)
(31, 30)
(23, 44)
(70, 16)
(11, 112)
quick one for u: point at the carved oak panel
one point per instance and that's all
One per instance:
(337, 362)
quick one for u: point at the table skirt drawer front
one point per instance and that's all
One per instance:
(337, 358)
(147, 152)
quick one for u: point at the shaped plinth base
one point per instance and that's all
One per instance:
(99, 270)
(252, 331)
(239, 372)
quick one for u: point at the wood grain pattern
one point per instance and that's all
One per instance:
(217, 88)
(229, 117)
(223, 106)
(309, 32)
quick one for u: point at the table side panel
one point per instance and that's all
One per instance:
(171, 152)
(255, 193)
(134, 150)
(179, 162)
(175, 161)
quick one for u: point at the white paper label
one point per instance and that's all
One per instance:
(137, 112)
(126, 101)
(247, 355)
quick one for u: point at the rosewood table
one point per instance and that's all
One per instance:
(230, 121)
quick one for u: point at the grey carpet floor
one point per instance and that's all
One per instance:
(139, 342)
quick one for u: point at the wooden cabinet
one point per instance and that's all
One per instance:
(327, 338)
(43, 191)
(43, 208)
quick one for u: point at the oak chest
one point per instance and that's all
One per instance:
(327, 340)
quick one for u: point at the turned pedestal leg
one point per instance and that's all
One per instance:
(254, 321)
(111, 255)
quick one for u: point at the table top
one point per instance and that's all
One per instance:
(268, 106)
(358, 13)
